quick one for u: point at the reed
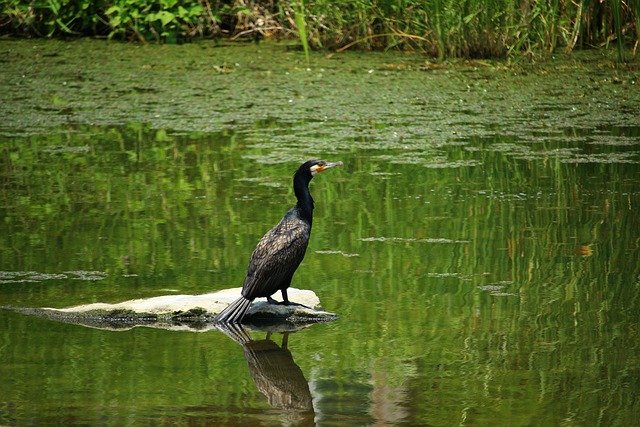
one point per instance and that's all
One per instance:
(442, 28)
(617, 20)
(472, 28)
(636, 13)
(302, 28)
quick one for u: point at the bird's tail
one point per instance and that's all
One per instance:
(234, 312)
(235, 331)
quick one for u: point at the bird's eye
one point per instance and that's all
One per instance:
(318, 167)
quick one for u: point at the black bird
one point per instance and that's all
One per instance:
(279, 253)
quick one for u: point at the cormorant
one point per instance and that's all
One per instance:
(279, 253)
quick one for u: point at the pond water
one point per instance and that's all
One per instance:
(481, 245)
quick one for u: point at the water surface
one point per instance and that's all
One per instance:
(480, 244)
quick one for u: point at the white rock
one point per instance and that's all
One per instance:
(202, 308)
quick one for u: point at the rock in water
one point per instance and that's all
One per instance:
(192, 311)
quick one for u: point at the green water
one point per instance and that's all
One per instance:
(481, 244)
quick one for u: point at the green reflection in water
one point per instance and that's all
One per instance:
(490, 280)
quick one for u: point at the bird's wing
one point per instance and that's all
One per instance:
(275, 258)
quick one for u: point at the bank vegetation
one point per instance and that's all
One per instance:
(442, 28)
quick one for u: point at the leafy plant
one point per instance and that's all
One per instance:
(162, 20)
(443, 28)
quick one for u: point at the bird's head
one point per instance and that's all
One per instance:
(314, 167)
(301, 180)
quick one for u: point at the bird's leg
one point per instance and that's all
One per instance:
(286, 301)
(285, 298)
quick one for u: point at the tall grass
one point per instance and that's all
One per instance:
(617, 20)
(442, 28)
(302, 27)
(635, 5)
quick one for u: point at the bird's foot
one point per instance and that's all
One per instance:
(272, 301)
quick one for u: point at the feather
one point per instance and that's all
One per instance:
(279, 253)
(234, 312)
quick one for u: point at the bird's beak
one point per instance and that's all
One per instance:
(329, 165)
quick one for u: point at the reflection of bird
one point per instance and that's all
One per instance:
(274, 371)
(280, 251)
(277, 375)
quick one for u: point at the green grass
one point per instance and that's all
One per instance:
(441, 28)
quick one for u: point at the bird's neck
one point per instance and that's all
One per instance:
(305, 201)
